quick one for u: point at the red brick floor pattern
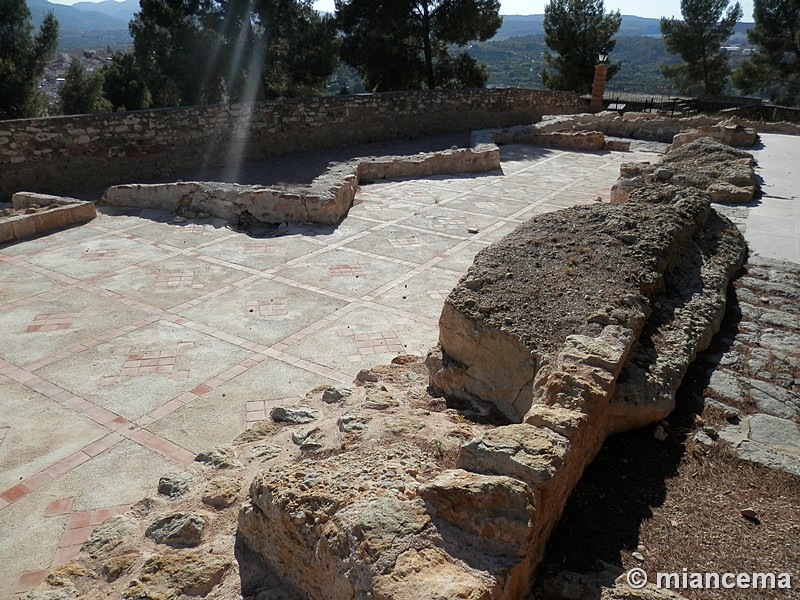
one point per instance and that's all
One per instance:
(346, 271)
(180, 279)
(98, 255)
(378, 343)
(258, 410)
(80, 526)
(261, 248)
(266, 308)
(404, 242)
(52, 322)
(155, 361)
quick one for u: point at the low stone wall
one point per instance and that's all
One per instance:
(67, 154)
(34, 214)
(327, 200)
(658, 128)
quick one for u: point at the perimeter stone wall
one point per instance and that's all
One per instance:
(68, 154)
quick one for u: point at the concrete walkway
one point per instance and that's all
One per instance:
(132, 343)
(773, 225)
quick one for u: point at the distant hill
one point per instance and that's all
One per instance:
(72, 19)
(519, 25)
(120, 10)
(82, 28)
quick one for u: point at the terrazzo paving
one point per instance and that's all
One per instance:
(132, 343)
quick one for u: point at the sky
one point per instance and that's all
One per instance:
(640, 8)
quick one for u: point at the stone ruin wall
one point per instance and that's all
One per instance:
(64, 154)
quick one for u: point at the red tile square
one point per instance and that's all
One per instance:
(58, 469)
(15, 493)
(80, 519)
(75, 536)
(187, 397)
(59, 507)
(202, 389)
(76, 459)
(65, 555)
(29, 580)
(101, 514)
(37, 481)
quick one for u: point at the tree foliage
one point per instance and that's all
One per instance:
(206, 51)
(576, 31)
(23, 57)
(172, 40)
(774, 69)
(124, 84)
(81, 92)
(404, 44)
(698, 40)
(288, 43)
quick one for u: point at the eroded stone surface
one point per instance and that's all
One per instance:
(705, 163)
(586, 335)
(179, 530)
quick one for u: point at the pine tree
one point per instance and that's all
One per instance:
(81, 92)
(576, 31)
(123, 83)
(405, 44)
(276, 47)
(23, 57)
(775, 67)
(698, 40)
(207, 51)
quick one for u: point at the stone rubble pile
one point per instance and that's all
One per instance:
(726, 174)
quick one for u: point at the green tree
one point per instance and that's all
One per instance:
(576, 31)
(23, 57)
(82, 93)
(206, 51)
(174, 49)
(275, 48)
(774, 69)
(124, 85)
(698, 40)
(404, 44)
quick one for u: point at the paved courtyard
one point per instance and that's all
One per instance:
(132, 343)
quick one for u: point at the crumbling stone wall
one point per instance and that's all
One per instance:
(66, 154)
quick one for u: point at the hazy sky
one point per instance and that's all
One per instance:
(641, 8)
(646, 8)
